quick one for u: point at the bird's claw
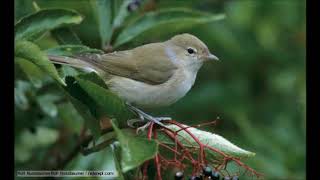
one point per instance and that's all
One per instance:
(145, 117)
(131, 122)
(163, 118)
(143, 128)
(158, 119)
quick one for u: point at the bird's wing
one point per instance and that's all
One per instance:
(150, 65)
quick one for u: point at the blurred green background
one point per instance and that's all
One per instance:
(257, 89)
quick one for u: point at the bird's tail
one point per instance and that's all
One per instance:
(77, 62)
(74, 62)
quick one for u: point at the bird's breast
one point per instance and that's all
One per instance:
(150, 96)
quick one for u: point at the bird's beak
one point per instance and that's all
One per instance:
(212, 57)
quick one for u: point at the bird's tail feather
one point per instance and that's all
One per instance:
(74, 62)
(88, 62)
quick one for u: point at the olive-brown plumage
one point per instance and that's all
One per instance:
(152, 75)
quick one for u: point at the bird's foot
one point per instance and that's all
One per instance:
(144, 117)
(163, 118)
(131, 122)
(144, 127)
(154, 120)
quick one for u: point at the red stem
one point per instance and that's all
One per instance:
(202, 154)
(201, 149)
(182, 152)
(236, 161)
(157, 163)
(205, 124)
(168, 133)
(150, 131)
(168, 147)
(145, 165)
(145, 170)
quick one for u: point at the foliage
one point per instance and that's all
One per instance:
(257, 90)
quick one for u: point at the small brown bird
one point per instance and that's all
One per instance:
(148, 76)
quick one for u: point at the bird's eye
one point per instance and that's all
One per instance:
(191, 51)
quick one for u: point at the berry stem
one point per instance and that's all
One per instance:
(157, 162)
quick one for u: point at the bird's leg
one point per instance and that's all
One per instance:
(142, 128)
(131, 122)
(144, 116)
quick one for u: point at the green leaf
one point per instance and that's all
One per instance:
(70, 117)
(109, 102)
(122, 14)
(90, 97)
(85, 106)
(134, 150)
(212, 140)
(65, 71)
(179, 18)
(93, 77)
(31, 52)
(66, 35)
(116, 153)
(102, 160)
(21, 9)
(31, 71)
(69, 50)
(87, 30)
(34, 25)
(104, 19)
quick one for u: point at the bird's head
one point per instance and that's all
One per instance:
(192, 48)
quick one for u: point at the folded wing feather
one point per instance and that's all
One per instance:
(149, 63)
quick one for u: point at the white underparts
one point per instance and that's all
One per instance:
(149, 96)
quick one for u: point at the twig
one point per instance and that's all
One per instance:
(97, 147)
